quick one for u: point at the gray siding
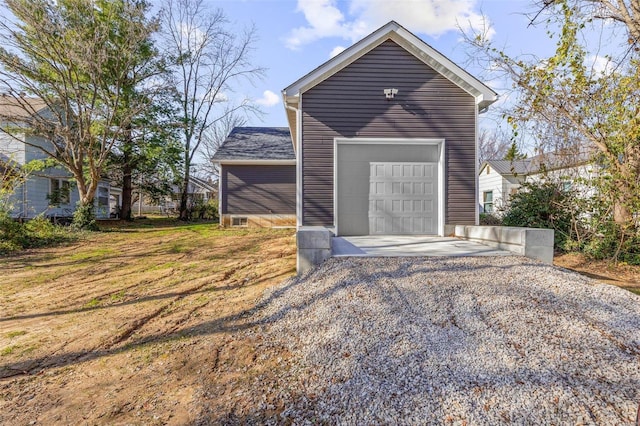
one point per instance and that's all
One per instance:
(258, 189)
(351, 103)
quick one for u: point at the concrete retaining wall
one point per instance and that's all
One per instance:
(530, 242)
(314, 247)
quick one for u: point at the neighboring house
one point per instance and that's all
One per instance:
(51, 191)
(198, 191)
(499, 180)
(257, 178)
(385, 136)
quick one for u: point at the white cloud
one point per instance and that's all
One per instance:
(600, 64)
(324, 20)
(268, 99)
(336, 51)
(432, 17)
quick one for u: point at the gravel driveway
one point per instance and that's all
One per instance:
(455, 341)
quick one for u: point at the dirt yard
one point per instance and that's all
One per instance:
(151, 323)
(621, 275)
(139, 324)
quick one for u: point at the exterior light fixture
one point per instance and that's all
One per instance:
(390, 93)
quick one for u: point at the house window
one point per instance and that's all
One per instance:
(238, 221)
(103, 199)
(487, 200)
(488, 169)
(59, 192)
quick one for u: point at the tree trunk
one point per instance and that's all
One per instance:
(127, 170)
(621, 213)
(127, 189)
(84, 216)
(184, 196)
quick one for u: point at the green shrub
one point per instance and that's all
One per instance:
(84, 217)
(38, 232)
(204, 211)
(489, 219)
(41, 232)
(544, 204)
(611, 243)
(12, 233)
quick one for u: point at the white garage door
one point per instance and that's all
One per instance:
(403, 198)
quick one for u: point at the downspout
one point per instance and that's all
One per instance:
(220, 221)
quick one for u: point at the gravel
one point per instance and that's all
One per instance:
(472, 340)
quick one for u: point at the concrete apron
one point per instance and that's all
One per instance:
(410, 245)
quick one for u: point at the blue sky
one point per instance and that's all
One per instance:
(295, 36)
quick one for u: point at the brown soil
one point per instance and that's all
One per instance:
(621, 275)
(144, 324)
(152, 323)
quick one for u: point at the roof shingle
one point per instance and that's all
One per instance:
(257, 143)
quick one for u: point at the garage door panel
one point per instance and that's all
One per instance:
(403, 198)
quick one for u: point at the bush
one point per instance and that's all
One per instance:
(84, 217)
(611, 243)
(544, 204)
(489, 219)
(204, 211)
(41, 232)
(12, 234)
(38, 232)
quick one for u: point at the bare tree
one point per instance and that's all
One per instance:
(213, 139)
(209, 60)
(492, 145)
(62, 68)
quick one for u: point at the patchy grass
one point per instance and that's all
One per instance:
(8, 350)
(136, 324)
(12, 334)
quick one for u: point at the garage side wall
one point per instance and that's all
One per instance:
(351, 104)
(258, 189)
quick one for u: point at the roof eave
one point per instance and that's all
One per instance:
(254, 162)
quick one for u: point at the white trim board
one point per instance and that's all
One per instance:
(257, 162)
(390, 141)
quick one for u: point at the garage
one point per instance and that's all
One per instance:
(385, 187)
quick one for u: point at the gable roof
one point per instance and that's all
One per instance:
(483, 94)
(256, 144)
(508, 167)
(207, 186)
(550, 161)
(16, 108)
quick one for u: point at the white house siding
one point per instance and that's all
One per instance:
(30, 200)
(12, 148)
(574, 175)
(34, 153)
(491, 182)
